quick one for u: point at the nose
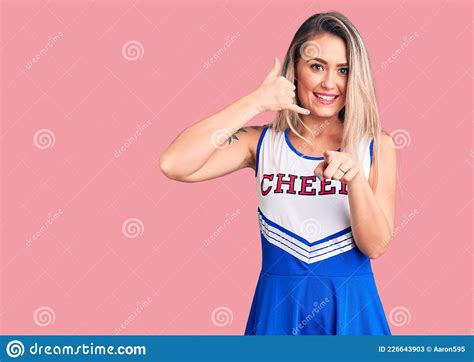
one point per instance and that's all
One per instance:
(328, 81)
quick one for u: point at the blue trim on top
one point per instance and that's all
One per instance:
(288, 142)
(257, 154)
(371, 150)
(303, 240)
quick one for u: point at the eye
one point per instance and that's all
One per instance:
(315, 65)
(346, 70)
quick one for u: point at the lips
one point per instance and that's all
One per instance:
(325, 98)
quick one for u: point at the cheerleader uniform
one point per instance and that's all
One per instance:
(314, 280)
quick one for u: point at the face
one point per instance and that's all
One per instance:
(322, 74)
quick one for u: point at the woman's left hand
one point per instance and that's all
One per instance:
(338, 166)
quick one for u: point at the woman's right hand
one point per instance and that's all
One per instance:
(276, 93)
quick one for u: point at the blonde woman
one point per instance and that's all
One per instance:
(325, 176)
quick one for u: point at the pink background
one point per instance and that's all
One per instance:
(127, 252)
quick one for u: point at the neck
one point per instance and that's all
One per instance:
(321, 126)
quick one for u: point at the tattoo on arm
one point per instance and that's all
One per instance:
(234, 137)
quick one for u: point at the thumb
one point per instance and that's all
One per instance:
(275, 70)
(318, 171)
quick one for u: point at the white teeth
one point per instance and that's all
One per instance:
(327, 98)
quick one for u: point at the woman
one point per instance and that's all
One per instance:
(325, 176)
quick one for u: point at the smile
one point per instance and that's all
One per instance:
(324, 98)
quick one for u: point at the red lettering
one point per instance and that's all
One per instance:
(323, 190)
(290, 183)
(269, 177)
(305, 184)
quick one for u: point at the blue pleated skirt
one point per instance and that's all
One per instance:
(314, 302)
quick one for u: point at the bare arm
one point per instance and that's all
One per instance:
(372, 214)
(206, 149)
(194, 145)
(237, 153)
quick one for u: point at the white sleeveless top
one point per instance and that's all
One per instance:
(306, 217)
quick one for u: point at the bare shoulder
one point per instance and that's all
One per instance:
(387, 148)
(386, 145)
(257, 132)
(387, 154)
(386, 139)
(254, 135)
(251, 134)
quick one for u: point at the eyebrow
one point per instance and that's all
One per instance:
(325, 62)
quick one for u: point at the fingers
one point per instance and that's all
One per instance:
(349, 175)
(337, 166)
(288, 83)
(276, 69)
(318, 171)
(298, 109)
(289, 93)
(287, 100)
(342, 170)
(334, 164)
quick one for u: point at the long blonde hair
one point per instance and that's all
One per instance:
(360, 113)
